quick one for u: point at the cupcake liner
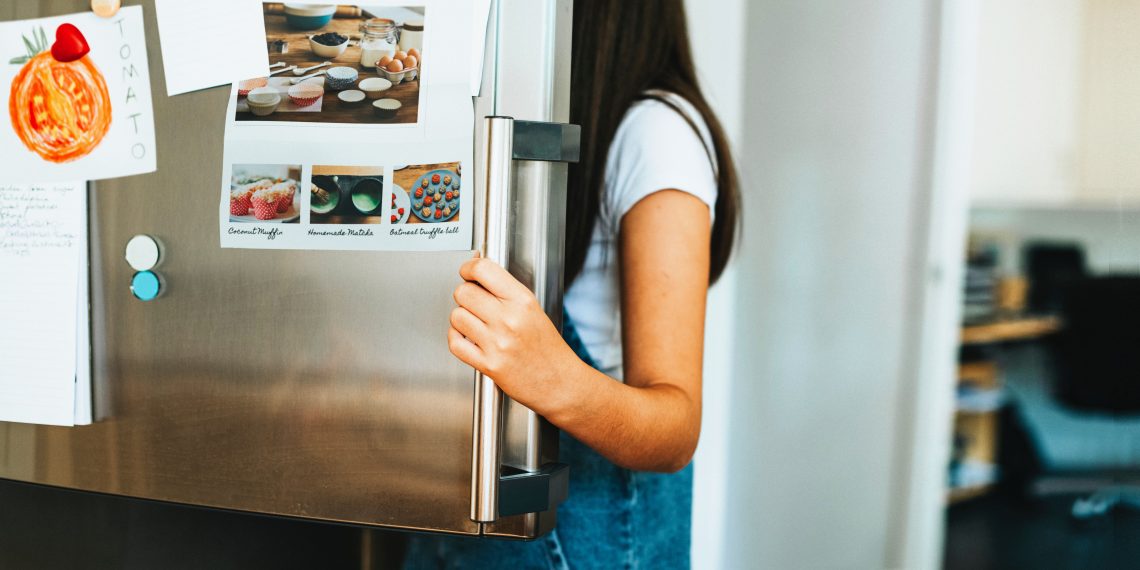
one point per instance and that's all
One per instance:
(240, 206)
(305, 94)
(284, 202)
(264, 210)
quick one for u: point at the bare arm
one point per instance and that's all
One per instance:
(652, 421)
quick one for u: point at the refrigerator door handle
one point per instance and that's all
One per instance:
(506, 140)
(487, 440)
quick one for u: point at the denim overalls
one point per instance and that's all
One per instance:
(614, 518)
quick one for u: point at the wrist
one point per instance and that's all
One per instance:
(568, 389)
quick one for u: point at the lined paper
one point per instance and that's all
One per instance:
(42, 236)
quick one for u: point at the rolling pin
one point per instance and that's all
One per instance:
(341, 10)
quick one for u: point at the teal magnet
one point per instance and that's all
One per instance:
(146, 285)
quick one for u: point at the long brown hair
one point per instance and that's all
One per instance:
(622, 49)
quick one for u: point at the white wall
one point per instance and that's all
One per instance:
(1111, 237)
(834, 156)
(1028, 92)
(1110, 106)
(717, 31)
(1057, 121)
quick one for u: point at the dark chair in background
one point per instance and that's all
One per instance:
(1098, 350)
(1098, 364)
(1050, 269)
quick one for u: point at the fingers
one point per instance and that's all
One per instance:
(469, 326)
(478, 301)
(464, 349)
(493, 278)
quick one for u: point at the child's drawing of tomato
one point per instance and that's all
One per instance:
(59, 105)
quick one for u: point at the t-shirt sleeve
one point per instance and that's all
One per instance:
(656, 149)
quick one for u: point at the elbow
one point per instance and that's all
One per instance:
(681, 459)
(666, 464)
(676, 464)
(678, 452)
(670, 461)
(681, 445)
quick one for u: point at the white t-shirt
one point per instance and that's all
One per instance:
(654, 149)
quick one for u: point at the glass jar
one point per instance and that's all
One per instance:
(412, 36)
(379, 37)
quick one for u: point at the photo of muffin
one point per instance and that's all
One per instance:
(264, 193)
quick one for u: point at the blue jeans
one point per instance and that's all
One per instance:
(613, 518)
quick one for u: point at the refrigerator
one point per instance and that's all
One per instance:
(318, 385)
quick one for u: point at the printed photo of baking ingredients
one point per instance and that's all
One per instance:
(333, 63)
(426, 194)
(265, 193)
(346, 195)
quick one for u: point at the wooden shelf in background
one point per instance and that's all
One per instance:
(966, 493)
(1004, 330)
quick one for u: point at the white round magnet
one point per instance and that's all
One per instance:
(143, 252)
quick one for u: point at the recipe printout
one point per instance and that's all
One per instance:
(44, 373)
(76, 90)
(361, 138)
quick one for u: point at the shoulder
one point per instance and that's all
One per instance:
(662, 143)
(662, 114)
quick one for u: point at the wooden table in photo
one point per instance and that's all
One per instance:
(406, 178)
(333, 110)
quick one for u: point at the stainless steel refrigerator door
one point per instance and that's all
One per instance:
(306, 384)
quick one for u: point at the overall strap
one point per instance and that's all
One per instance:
(570, 335)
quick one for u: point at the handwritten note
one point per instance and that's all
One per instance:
(206, 43)
(35, 220)
(42, 245)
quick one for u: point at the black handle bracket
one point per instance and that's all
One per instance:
(539, 491)
(548, 142)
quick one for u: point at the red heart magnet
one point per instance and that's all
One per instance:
(70, 44)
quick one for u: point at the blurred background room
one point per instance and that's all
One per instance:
(932, 361)
(1047, 429)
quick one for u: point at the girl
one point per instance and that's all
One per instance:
(651, 221)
